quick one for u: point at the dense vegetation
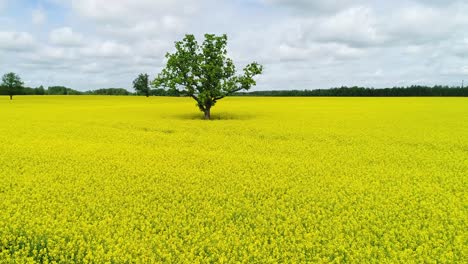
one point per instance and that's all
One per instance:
(109, 91)
(88, 179)
(203, 72)
(141, 85)
(342, 91)
(12, 85)
(62, 90)
(415, 90)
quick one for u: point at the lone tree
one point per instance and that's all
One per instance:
(12, 84)
(141, 84)
(204, 72)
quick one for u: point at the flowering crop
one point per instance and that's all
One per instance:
(94, 179)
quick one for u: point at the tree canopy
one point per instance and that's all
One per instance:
(141, 84)
(205, 72)
(12, 83)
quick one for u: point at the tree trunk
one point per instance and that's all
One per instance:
(207, 114)
(11, 97)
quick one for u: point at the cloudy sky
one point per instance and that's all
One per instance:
(303, 44)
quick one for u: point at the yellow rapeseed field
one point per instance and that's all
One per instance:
(93, 179)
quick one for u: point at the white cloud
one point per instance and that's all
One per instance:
(356, 26)
(130, 11)
(90, 67)
(16, 41)
(423, 24)
(49, 55)
(65, 37)
(153, 48)
(3, 4)
(107, 49)
(38, 16)
(154, 27)
(302, 43)
(316, 6)
(172, 23)
(464, 69)
(460, 48)
(318, 52)
(458, 70)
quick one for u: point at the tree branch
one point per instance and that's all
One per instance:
(194, 97)
(234, 90)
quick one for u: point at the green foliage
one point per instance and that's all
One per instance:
(158, 92)
(62, 90)
(12, 84)
(414, 90)
(141, 84)
(163, 92)
(57, 90)
(40, 90)
(204, 72)
(109, 91)
(28, 91)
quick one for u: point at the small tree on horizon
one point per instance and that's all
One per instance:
(204, 72)
(12, 83)
(40, 90)
(141, 84)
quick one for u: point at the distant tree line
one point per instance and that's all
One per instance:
(12, 85)
(109, 91)
(62, 90)
(415, 90)
(342, 91)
